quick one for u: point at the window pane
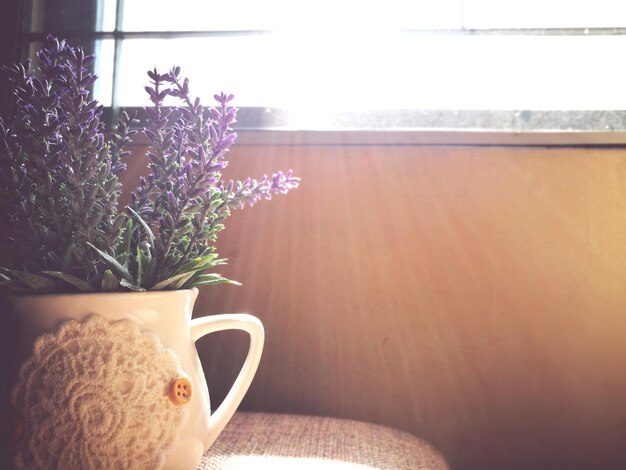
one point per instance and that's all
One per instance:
(238, 15)
(390, 71)
(107, 10)
(68, 16)
(239, 65)
(479, 14)
(103, 67)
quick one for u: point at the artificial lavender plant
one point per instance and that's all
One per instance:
(59, 170)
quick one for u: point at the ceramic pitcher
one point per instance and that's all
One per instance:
(161, 320)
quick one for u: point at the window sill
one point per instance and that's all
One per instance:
(485, 138)
(268, 126)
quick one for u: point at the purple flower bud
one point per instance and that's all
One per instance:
(230, 115)
(215, 114)
(171, 200)
(183, 186)
(229, 139)
(197, 192)
(154, 158)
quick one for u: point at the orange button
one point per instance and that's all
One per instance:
(180, 393)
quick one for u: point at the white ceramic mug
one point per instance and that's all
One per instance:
(168, 315)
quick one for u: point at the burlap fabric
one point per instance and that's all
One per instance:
(281, 442)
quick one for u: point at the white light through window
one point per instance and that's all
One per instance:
(352, 55)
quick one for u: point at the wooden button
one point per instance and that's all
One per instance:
(180, 392)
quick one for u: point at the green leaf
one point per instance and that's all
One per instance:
(168, 262)
(201, 263)
(211, 279)
(125, 255)
(184, 230)
(216, 195)
(67, 258)
(150, 272)
(131, 286)
(142, 260)
(143, 224)
(35, 282)
(80, 284)
(113, 264)
(15, 285)
(184, 243)
(109, 281)
(172, 282)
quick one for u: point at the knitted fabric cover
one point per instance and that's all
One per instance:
(94, 396)
(286, 442)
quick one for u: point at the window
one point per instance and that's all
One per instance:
(349, 64)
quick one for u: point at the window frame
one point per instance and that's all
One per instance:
(263, 126)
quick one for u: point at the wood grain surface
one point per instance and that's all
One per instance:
(473, 296)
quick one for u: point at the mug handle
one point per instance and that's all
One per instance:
(233, 321)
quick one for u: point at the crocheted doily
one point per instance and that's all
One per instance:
(94, 395)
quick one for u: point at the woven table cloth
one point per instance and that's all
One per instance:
(282, 441)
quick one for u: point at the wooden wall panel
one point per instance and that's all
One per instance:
(474, 297)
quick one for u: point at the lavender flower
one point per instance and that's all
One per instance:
(187, 214)
(250, 191)
(61, 176)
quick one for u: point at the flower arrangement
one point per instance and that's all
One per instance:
(60, 169)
